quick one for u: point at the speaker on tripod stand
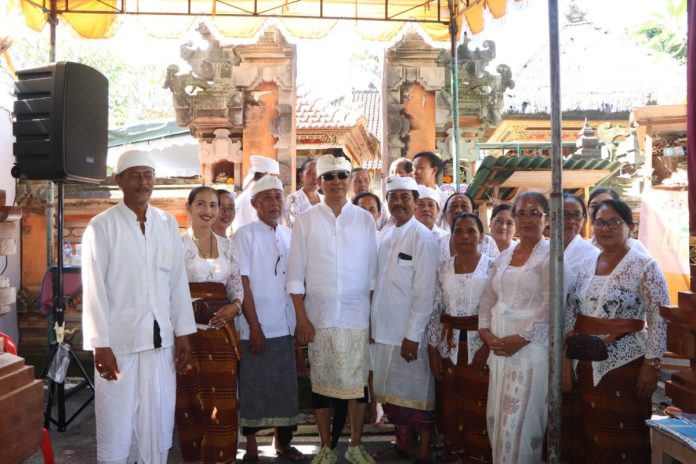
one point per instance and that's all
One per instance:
(61, 131)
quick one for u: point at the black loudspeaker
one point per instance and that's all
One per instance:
(61, 123)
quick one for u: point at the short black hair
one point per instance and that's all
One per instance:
(612, 193)
(570, 196)
(617, 205)
(500, 208)
(259, 175)
(408, 164)
(474, 206)
(358, 169)
(196, 190)
(224, 191)
(464, 216)
(535, 197)
(362, 195)
(435, 161)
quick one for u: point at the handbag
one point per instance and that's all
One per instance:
(586, 348)
(208, 297)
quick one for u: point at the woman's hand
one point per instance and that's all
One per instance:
(491, 341)
(509, 345)
(647, 380)
(224, 315)
(304, 331)
(435, 363)
(480, 359)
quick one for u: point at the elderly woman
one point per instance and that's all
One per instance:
(502, 226)
(226, 212)
(457, 354)
(615, 300)
(459, 203)
(306, 197)
(206, 409)
(514, 324)
(370, 203)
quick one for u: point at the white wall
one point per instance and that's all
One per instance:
(8, 322)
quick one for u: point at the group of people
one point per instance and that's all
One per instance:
(408, 304)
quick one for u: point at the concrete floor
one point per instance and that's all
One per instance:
(77, 445)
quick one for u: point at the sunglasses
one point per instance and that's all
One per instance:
(331, 176)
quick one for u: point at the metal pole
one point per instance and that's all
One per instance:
(50, 191)
(453, 29)
(556, 318)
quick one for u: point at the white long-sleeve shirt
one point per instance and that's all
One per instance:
(131, 279)
(333, 262)
(245, 212)
(405, 293)
(263, 258)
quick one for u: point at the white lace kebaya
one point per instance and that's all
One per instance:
(458, 295)
(635, 289)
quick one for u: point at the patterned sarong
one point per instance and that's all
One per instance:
(206, 399)
(461, 408)
(613, 416)
(338, 360)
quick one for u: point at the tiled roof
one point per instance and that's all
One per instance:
(314, 113)
(372, 165)
(369, 104)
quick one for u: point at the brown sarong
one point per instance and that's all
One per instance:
(613, 415)
(461, 408)
(206, 399)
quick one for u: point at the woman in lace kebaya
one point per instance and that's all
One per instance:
(616, 296)
(457, 354)
(206, 403)
(306, 197)
(514, 324)
(459, 203)
(502, 226)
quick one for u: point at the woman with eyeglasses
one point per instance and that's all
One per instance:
(598, 196)
(206, 403)
(456, 353)
(514, 324)
(617, 337)
(502, 226)
(307, 196)
(456, 204)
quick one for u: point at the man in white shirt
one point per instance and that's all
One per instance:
(401, 308)
(260, 166)
(136, 317)
(332, 270)
(268, 395)
(360, 181)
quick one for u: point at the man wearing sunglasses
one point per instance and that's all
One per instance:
(331, 271)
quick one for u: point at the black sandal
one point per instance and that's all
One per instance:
(250, 458)
(290, 453)
(392, 453)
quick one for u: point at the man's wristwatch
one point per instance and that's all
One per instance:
(654, 363)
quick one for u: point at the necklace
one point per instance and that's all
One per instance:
(205, 255)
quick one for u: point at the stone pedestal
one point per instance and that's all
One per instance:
(681, 340)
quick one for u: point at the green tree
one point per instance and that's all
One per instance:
(665, 31)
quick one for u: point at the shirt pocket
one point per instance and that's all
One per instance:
(166, 260)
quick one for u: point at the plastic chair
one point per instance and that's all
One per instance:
(46, 448)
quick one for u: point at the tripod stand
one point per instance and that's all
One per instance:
(56, 390)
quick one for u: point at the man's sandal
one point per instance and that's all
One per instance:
(290, 453)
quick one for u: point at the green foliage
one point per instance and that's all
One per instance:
(666, 31)
(135, 92)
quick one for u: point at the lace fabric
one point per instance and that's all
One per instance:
(295, 204)
(223, 269)
(635, 289)
(516, 299)
(457, 295)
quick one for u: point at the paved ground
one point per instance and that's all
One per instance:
(77, 445)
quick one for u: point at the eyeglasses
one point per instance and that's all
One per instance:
(577, 217)
(599, 224)
(529, 213)
(331, 176)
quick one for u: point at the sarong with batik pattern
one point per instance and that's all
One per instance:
(461, 398)
(206, 399)
(338, 360)
(613, 415)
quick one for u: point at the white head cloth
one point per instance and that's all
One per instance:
(132, 158)
(260, 163)
(401, 183)
(329, 163)
(266, 183)
(427, 192)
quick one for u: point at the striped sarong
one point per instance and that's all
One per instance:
(613, 416)
(206, 399)
(461, 398)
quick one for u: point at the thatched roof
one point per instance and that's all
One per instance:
(600, 70)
